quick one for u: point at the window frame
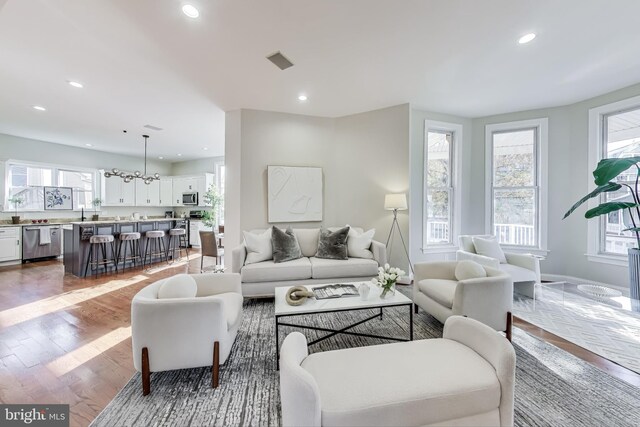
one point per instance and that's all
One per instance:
(55, 168)
(219, 166)
(540, 186)
(455, 179)
(597, 149)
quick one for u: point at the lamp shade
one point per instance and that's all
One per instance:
(395, 201)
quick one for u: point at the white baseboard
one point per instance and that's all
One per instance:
(577, 280)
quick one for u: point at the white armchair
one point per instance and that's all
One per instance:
(181, 333)
(524, 269)
(486, 299)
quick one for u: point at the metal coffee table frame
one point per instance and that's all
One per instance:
(345, 330)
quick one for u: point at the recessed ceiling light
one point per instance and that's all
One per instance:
(89, 145)
(302, 97)
(75, 84)
(39, 108)
(190, 11)
(160, 157)
(526, 38)
(179, 155)
(205, 148)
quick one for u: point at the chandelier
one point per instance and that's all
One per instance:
(128, 177)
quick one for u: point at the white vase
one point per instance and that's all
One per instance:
(388, 292)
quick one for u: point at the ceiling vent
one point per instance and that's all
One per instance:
(152, 127)
(280, 61)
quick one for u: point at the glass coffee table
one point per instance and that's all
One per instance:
(355, 303)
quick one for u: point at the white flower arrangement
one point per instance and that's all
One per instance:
(387, 278)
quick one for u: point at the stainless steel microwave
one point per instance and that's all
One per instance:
(189, 198)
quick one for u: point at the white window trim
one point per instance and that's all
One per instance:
(595, 155)
(7, 163)
(456, 208)
(542, 151)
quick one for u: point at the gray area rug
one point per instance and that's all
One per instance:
(552, 387)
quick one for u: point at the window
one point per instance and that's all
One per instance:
(620, 138)
(27, 180)
(441, 210)
(220, 170)
(515, 180)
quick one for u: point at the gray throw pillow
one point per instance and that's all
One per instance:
(285, 245)
(333, 245)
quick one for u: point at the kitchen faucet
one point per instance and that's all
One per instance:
(82, 218)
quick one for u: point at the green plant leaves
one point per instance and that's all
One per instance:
(608, 169)
(609, 186)
(608, 207)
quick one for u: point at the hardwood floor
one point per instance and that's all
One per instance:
(67, 340)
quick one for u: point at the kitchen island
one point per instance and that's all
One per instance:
(77, 235)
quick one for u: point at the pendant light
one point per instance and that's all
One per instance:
(128, 177)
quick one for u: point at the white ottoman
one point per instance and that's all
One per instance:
(464, 378)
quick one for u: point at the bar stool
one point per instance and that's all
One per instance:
(157, 247)
(99, 242)
(177, 236)
(132, 241)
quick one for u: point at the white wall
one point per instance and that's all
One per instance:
(363, 156)
(469, 220)
(203, 165)
(569, 180)
(17, 148)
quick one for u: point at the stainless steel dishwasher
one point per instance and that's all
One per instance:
(31, 247)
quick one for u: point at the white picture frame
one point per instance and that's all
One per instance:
(295, 194)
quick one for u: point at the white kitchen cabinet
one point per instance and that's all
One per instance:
(178, 188)
(10, 244)
(203, 183)
(194, 232)
(147, 194)
(116, 192)
(190, 184)
(166, 192)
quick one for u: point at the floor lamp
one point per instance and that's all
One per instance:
(395, 203)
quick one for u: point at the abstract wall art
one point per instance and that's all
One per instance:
(294, 193)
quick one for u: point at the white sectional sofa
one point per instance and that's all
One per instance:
(261, 278)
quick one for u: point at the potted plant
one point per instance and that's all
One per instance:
(16, 201)
(608, 179)
(97, 202)
(212, 199)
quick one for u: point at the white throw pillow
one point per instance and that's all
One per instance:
(468, 269)
(308, 240)
(178, 286)
(258, 246)
(358, 244)
(489, 248)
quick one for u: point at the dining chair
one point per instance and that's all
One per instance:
(209, 247)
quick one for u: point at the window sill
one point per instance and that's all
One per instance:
(621, 261)
(439, 249)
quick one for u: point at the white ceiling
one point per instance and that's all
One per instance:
(144, 62)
